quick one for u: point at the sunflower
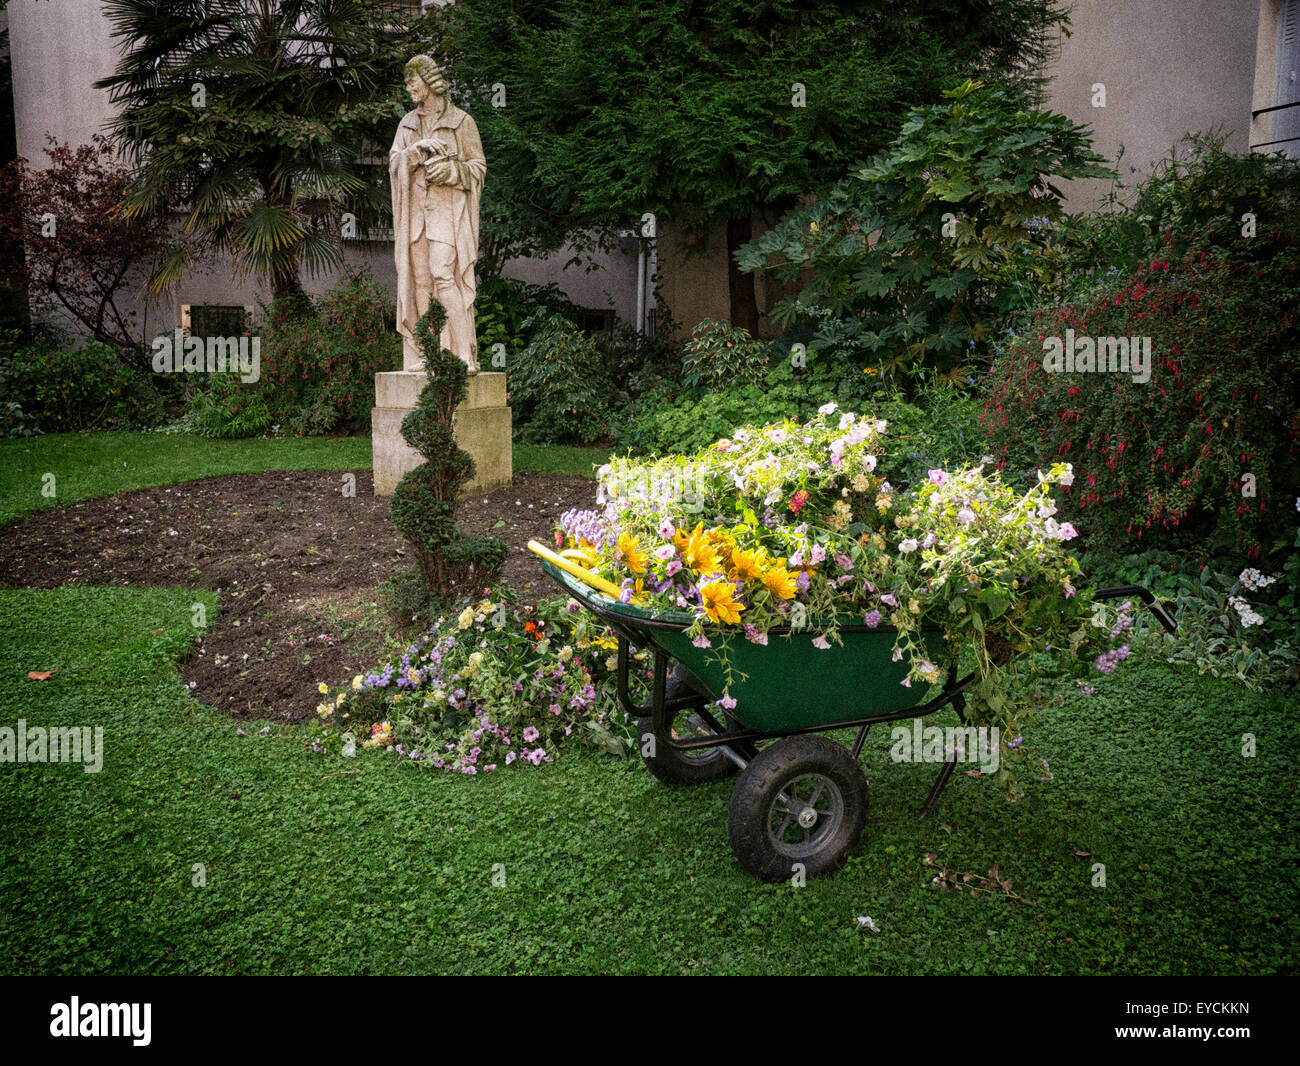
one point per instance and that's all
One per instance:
(725, 547)
(699, 554)
(779, 581)
(634, 558)
(718, 598)
(749, 565)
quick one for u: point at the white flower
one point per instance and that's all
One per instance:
(1254, 580)
(865, 922)
(868, 463)
(965, 516)
(847, 419)
(821, 642)
(826, 409)
(776, 436)
(909, 545)
(1067, 479)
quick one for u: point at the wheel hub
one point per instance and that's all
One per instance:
(807, 818)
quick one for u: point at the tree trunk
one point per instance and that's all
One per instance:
(740, 287)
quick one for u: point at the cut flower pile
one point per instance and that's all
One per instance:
(791, 531)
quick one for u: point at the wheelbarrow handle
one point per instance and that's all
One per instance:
(1147, 597)
(584, 575)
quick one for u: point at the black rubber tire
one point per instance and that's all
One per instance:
(773, 852)
(673, 767)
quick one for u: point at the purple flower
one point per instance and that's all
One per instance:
(872, 619)
(727, 702)
(938, 476)
(530, 734)
(803, 581)
(888, 598)
(702, 641)
(843, 561)
(666, 529)
(821, 642)
(965, 516)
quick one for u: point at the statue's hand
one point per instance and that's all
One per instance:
(439, 173)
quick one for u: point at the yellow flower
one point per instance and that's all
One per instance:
(322, 687)
(356, 683)
(466, 618)
(719, 602)
(699, 554)
(779, 582)
(413, 675)
(631, 555)
(725, 547)
(883, 502)
(749, 565)
(324, 710)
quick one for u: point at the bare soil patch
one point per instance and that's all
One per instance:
(295, 564)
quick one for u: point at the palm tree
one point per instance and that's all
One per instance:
(251, 119)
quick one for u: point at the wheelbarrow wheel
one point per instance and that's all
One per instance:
(676, 767)
(679, 767)
(798, 809)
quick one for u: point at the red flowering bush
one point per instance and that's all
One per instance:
(1202, 455)
(319, 359)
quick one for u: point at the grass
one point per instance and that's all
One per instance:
(323, 865)
(88, 465)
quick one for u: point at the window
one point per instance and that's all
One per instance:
(1286, 120)
(215, 320)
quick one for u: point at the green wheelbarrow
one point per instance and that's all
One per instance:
(799, 807)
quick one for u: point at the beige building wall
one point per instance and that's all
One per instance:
(60, 48)
(1168, 67)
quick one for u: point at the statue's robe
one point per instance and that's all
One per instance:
(421, 210)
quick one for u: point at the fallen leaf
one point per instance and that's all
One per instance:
(41, 675)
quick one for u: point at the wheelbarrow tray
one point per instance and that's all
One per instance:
(786, 685)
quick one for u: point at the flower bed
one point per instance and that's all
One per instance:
(492, 686)
(799, 526)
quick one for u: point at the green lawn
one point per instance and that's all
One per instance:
(326, 865)
(86, 465)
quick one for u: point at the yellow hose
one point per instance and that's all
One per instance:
(581, 573)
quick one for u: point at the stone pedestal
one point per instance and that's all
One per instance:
(482, 428)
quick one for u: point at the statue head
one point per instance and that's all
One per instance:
(424, 77)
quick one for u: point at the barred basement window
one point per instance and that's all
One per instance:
(216, 320)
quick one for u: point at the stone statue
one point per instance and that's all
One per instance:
(436, 170)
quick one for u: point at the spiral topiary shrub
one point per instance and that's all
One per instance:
(423, 505)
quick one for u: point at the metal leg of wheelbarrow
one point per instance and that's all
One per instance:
(941, 782)
(660, 705)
